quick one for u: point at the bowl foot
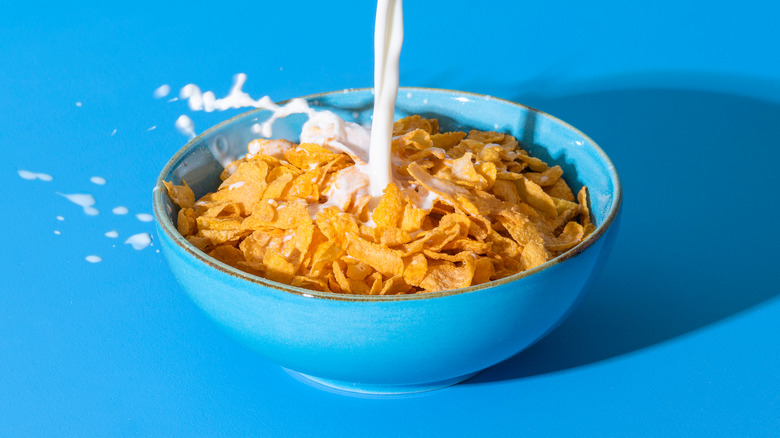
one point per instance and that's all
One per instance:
(368, 389)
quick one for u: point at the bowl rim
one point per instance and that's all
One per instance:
(172, 232)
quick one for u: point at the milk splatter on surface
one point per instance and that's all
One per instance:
(144, 217)
(120, 210)
(139, 241)
(112, 234)
(162, 91)
(26, 174)
(98, 180)
(83, 200)
(93, 259)
(186, 126)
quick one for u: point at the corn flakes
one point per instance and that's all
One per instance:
(467, 208)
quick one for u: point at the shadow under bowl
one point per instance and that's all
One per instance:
(401, 343)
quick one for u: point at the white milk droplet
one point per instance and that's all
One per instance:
(93, 259)
(57, 232)
(120, 210)
(112, 234)
(162, 91)
(144, 217)
(98, 180)
(152, 128)
(186, 126)
(60, 218)
(83, 200)
(113, 132)
(139, 241)
(26, 174)
(78, 104)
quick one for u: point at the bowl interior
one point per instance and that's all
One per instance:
(201, 161)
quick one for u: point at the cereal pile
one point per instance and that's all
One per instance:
(465, 209)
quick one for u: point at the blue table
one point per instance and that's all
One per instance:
(679, 337)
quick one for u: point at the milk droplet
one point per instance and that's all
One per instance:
(60, 218)
(83, 200)
(152, 128)
(93, 259)
(26, 174)
(112, 234)
(162, 91)
(120, 210)
(98, 180)
(78, 104)
(144, 217)
(57, 232)
(139, 241)
(113, 132)
(186, 126)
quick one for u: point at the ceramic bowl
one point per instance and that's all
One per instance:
(394, 344)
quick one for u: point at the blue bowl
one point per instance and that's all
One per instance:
(394, 344)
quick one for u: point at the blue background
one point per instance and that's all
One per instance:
(679, 337)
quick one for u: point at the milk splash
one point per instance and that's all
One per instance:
(237, 98)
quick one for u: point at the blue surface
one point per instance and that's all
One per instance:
(679, 337)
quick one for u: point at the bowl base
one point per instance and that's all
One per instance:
(374, 390)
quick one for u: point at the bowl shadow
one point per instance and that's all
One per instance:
(697, 168)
